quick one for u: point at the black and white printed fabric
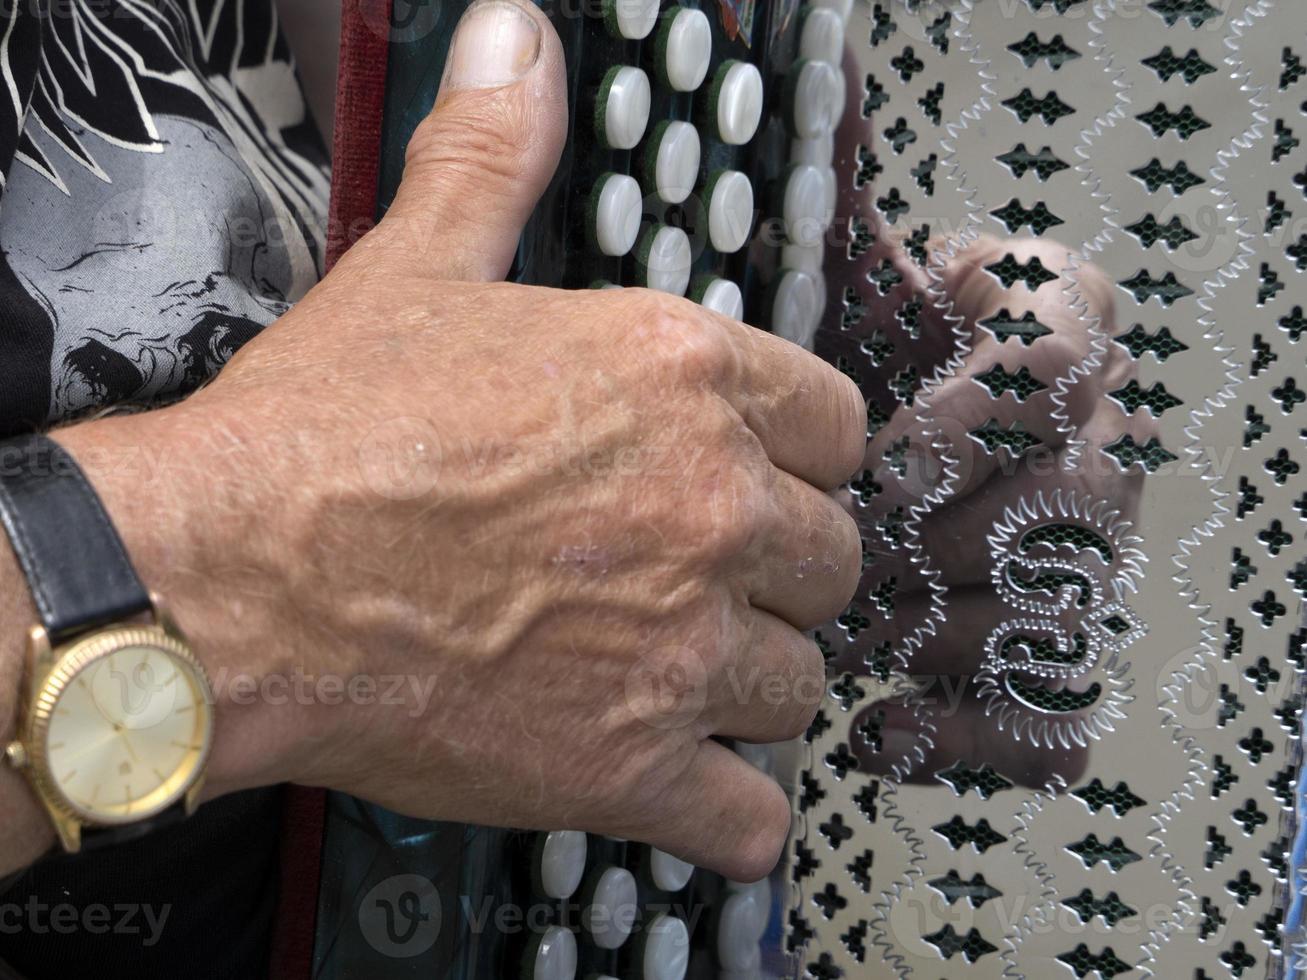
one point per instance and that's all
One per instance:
(162, 197)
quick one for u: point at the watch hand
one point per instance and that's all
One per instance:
(90, 693)
(127, 743)
(85, 750)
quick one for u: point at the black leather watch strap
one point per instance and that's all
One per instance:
(75, 563)
(94, 838)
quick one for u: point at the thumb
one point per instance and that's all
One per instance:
(477, 165)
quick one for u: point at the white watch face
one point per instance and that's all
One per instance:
(127, 735)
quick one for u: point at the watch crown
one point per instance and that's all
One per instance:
(16, 753)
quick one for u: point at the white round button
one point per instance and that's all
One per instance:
(818, 99)
(830, 183)
(633, 19)
(688, 49)
(667, 951)
(730, 212)
(676, 162)
(740, 930)
(724, 297)
(804, 206)
(671, 874)
(842, 7)
(797, 308)
(739, 102)
(617, 214)
(822, 37)
(626, 112)
(556, 957)
(610, 916)
(668, 260)
(562, 863)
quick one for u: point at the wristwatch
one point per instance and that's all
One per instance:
(115, 719)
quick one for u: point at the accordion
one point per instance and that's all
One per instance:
(1062, 730)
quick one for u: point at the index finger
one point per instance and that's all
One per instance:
(810, 418)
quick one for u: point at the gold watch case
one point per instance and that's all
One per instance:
(52, 670)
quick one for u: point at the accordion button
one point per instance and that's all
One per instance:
(724, 297)
(830, 184)
(822, 37)
(730, 211)
(688, 49)
(610, 916)
(818, 99)
(676, 162)
(670, 874)
(805, 206)
(667, 950)
(625, 113)
(617, 214)
(739, 98)
(562, 863)
(667, 258)
(798, 307)
(842, 7)
(631, 19)
(740, 930)
(556, 957)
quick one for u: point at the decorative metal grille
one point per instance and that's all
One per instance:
(1062, 731)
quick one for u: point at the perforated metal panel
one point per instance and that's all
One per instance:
(1062, 730)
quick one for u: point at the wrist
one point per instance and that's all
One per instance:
(195, 537)
(28, 830)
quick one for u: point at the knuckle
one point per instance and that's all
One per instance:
(678, 339)
(471, 136)
(725, 523)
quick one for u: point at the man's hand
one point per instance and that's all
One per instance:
(581, 531)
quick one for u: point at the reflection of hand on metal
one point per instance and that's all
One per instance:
(1020, 430)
